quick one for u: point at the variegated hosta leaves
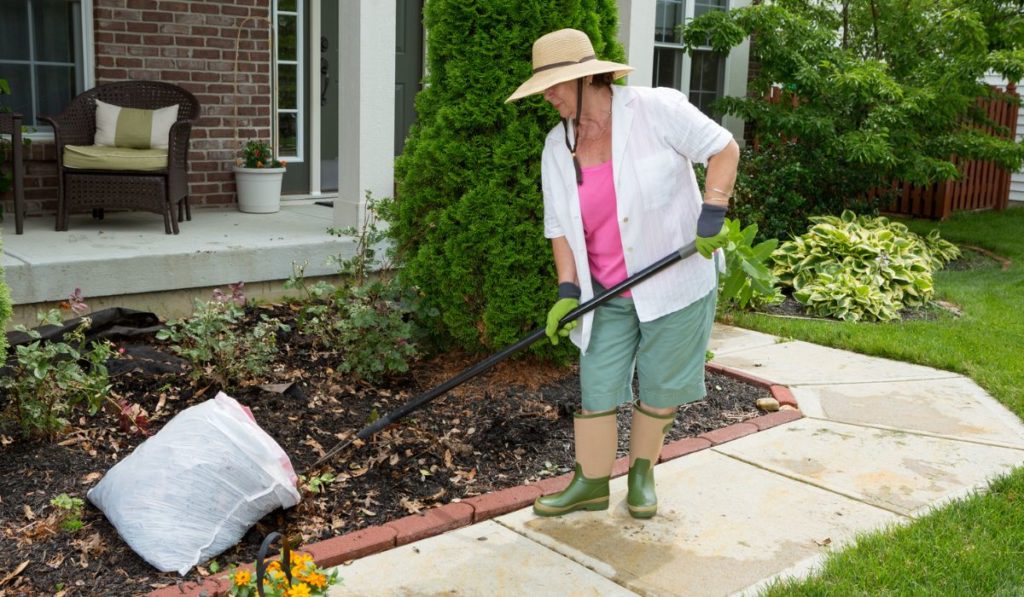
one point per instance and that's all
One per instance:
(855, 268)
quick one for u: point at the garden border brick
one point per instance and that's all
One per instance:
(357, 544)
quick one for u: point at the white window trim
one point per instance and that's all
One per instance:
(688, 9)
(88, 50)
(300, 84)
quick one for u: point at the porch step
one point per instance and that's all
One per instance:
(127, 260)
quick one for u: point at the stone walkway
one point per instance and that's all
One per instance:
(881, 442)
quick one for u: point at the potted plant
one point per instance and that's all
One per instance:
(258, 176)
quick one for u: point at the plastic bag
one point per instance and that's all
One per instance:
(193, 490)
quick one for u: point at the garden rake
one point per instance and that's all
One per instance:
(471, 372)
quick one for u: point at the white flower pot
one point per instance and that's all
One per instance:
(259, 189)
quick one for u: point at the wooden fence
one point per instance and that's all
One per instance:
(984, 185)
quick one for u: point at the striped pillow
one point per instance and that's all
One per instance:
(132, 127)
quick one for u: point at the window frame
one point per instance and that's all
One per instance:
(300, 83)
(85, 72)
(686, 74)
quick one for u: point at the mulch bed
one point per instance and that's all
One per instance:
(509, 427)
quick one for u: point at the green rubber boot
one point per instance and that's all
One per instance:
(596, 439)
(646, 436)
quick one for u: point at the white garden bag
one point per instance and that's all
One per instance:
(192, 490)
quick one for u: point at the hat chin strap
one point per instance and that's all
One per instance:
(575, 131)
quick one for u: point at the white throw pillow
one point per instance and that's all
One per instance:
(134, 127)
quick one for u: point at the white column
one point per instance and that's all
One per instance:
(313, 72)
(636, 33)
(366, 93)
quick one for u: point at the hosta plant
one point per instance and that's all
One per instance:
(860, 268)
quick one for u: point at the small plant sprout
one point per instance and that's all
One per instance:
(70, 512)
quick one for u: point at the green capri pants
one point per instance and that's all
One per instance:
(668, 353)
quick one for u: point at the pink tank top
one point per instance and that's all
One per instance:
(601, 226)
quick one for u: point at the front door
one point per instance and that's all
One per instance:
(408, 66)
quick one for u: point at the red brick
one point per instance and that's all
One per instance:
(553, 484)
(683, 447)
(431, 522)
(774, 419)
(784, 395)
(725, 434)
(502, 502)
(211, 587)
(358, 544)
(740, 375)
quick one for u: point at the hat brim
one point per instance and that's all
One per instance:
(545, 79)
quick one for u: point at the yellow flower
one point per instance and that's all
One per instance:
(299, 590)
(274, 565)
(300, 557)
(242, 578)
(317, 580)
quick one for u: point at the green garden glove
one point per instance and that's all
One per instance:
(568, 299)
(711, 231)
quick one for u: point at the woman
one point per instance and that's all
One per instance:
(619, 194)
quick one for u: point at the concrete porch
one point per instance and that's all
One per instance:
(126, 260)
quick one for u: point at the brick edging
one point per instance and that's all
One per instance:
(375, 539)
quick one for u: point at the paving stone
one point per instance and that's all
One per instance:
(948, 407)
(726, 339)
(895, 470)
(803, 363)
(722, 526)
(484, 559)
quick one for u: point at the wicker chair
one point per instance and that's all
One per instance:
(155, 191)
(10, 124)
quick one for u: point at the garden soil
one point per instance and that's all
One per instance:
(510, 426)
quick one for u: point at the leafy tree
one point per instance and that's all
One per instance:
(467, 218)
(886, 89)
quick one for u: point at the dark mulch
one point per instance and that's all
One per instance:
(509, 427)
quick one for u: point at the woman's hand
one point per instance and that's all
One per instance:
(711, 232)
(561, 308)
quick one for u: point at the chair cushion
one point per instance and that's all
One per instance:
(97, 157)
(133, 127)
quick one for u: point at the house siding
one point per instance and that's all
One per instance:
(190, 44)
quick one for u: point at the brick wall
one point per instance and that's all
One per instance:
(190, 43)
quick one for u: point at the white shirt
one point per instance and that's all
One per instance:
(656, 136)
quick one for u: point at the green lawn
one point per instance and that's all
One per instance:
(971, 547)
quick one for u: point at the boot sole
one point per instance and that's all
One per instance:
(590, 505)
(643, 511)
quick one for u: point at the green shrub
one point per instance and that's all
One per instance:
(855, 268)
(467, 219)
(886, 90)
(219, 351)
(49, 379)
(370, 319)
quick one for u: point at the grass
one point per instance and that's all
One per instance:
(974, 546)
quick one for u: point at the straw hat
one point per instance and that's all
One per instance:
(561, 56)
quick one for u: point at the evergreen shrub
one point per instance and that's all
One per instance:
(467, 217)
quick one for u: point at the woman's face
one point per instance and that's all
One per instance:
(563, 98)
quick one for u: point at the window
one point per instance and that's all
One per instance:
(702, 76)
(45, 54)
(288, 60)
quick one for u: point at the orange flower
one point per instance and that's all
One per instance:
(242, 578)
(299, 590)
(317, 580)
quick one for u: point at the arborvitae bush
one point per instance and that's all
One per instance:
(468, 213)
